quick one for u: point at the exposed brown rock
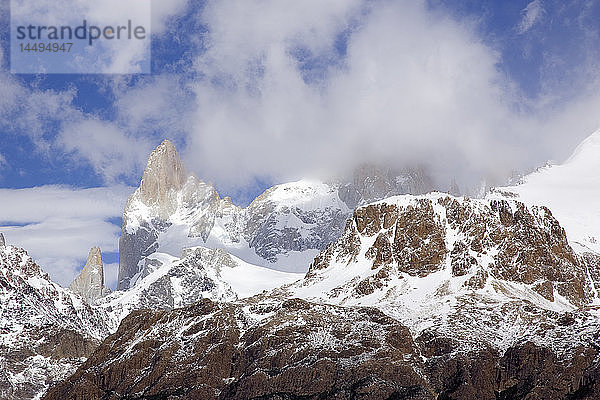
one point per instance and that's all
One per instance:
(303, 350)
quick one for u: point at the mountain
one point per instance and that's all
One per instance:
(46, 330)
(283, 229)
(422, 297)
(410, 296)
(489, 271)
(90, 282)
(166, 282)
(571, 190)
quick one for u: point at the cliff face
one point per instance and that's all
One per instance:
(476, 240)
(163, 177)
(90, 282)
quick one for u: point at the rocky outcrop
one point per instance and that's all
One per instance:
(46, 331)
(294, 349)
(2, 241)
(164, 284)
(90, 282)
(476, 238)
(163, 177)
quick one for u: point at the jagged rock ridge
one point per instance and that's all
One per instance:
(46, 331)
(90, 282)
(296, 349)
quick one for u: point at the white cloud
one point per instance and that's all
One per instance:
(530, 15)
(111, 151)
(413, 87)
(58, 225)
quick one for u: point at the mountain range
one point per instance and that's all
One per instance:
(373, 287)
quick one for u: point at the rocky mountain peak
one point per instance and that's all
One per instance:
(478, 242)
(90, 282)
(2, 241)
(164, 174)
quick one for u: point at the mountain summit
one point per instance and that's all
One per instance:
(90, 282)
(163, 177)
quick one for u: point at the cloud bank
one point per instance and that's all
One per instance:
(58, 225)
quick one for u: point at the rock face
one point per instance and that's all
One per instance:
(45, 330)
(486, 271)
(296, 349)
(90, 282)
(2, 242)
(163, 177)
(233, 351)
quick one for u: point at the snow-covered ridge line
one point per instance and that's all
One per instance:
(571, 190)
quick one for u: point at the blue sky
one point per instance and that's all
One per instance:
(259, 92)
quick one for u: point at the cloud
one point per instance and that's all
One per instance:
(112, 152)
(530, 15)
(401, 85)
(277, 90)
(58, 225)
(410, 87)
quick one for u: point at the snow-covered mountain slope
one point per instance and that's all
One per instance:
(489, 271)
(46, 331)
(571, 190)
(167, 282)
